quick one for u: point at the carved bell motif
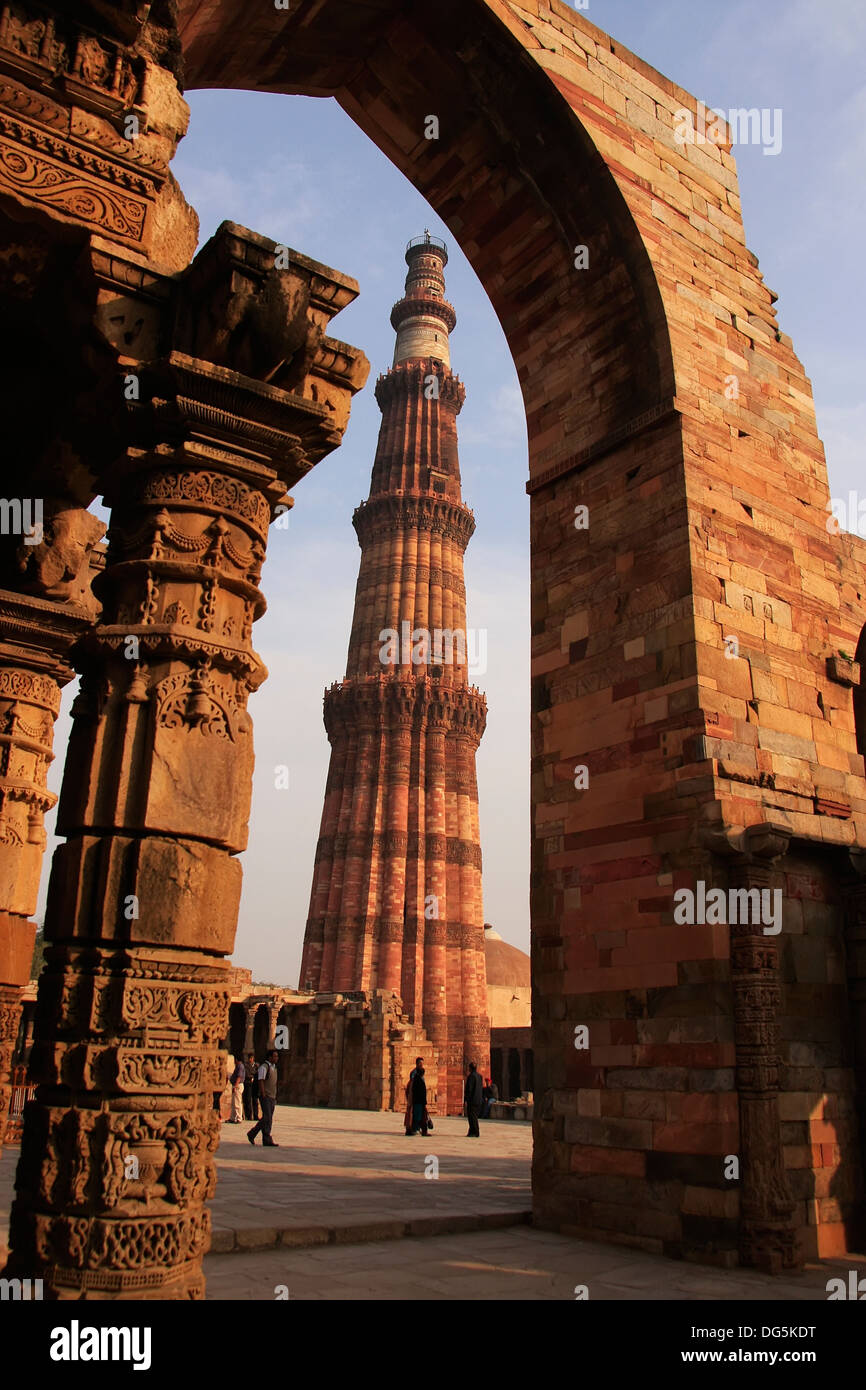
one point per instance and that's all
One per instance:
(198, 708)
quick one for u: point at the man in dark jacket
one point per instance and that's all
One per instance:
(267, 1080)
(473, 1097)
(251, 1090)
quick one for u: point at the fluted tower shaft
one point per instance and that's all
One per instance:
(396, 900)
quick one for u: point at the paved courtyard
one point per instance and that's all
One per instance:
(514, 1264)
(349, 1171)
(345, 1174)
(343, 1209)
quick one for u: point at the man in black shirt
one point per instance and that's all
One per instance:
(473, 1097)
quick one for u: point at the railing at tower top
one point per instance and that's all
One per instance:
(428, 240)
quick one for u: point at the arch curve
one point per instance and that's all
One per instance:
(514, 174)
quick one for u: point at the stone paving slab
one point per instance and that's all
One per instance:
(520, 1263)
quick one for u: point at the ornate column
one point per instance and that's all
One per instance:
(90, 118)
(767, 1229)
(36, 633)
(117, 1148)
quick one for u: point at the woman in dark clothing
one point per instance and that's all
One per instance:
(419, 1102)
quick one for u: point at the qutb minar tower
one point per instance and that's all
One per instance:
(396, 900)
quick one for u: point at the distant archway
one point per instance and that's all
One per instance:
(261, 1031)
(237, 1029)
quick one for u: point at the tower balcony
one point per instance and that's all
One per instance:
(422, 304)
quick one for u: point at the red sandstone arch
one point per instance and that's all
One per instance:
(660, 393)
(661, 397)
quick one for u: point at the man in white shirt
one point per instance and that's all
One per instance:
(267, 1077)
(238, 1077)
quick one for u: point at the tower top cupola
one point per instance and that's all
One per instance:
(423, 318)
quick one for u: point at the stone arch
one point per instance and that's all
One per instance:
(497, 1073)
(302, 1041)
(666, 408)
(515, 1086)
(353, 1053)
(663, 400)
(505, 197)
(261, 1031)
(237, 1030)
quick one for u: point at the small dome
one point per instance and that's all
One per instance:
(506, 965)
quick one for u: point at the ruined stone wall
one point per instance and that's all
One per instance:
(358, 1055)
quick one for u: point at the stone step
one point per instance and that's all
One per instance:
(244, 1239)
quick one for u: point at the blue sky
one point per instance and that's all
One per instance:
(298, 170)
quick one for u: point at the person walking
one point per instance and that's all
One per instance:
(238, 1078)
(473, 1097)
(416, 1109)
(251, 1098)
(267, 1080)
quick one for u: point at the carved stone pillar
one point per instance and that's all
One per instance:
(250, 1035)
(35, 636)
(117, 1151)
(767, 1229)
